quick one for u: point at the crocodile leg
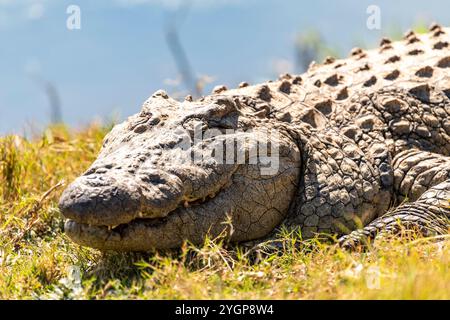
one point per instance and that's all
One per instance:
(423, 179)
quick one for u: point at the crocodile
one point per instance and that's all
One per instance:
(360, 148)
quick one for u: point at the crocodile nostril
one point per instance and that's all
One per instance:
(89, 172)
(100, 169)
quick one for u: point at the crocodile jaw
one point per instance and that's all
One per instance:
(239, 210)
(160, 209)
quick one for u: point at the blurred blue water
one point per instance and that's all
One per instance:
(119, 57)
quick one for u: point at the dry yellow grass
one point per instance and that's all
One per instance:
(37, 261)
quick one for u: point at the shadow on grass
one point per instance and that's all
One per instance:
(215, 257)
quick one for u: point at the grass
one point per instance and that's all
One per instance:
(37, 260)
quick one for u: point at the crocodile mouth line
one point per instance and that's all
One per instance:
(154, 221)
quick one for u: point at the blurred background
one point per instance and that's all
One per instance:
(127, 49)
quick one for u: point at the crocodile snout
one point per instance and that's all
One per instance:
(116, 197)
(100, 200)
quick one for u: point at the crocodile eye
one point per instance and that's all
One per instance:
(195, 125)
(229, 122)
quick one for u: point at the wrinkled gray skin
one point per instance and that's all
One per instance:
(356, 137)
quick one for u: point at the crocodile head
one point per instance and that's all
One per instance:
(181, 171)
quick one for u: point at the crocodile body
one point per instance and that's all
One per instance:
(363, 149)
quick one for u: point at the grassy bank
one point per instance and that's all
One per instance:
(37, 261)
